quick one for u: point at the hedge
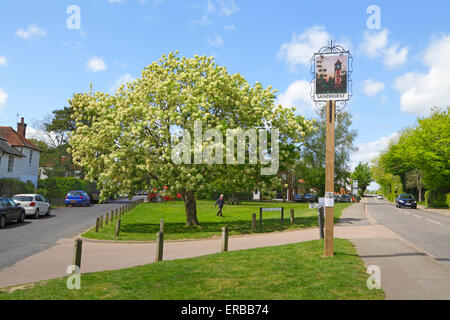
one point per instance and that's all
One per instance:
(10, 187)
(56, 188)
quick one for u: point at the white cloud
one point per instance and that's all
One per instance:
(96, 64)
(302, 47)
(372, 88)
(298, 95)
(217, 41)
(228, 7)
(370, 150)
(229, 27)
(122, 80)
(115, 1)
(422, 91)
(3, 61)
(376, 44)
(3, 99)
(31, 33)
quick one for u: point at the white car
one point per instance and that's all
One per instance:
(34, 204)
(380, 197)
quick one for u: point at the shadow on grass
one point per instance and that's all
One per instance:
(235, 226)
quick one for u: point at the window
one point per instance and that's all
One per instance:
(10, 163)
(31, 157)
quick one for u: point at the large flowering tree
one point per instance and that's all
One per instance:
(125, 141)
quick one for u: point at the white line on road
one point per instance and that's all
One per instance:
(418, 216)
(435, 222)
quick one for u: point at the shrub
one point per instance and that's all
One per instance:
(427, 198)
(10, 187)
(448, 200)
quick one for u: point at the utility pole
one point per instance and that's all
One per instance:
(329, 179)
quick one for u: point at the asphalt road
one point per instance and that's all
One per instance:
(18, 241)
(428, 231)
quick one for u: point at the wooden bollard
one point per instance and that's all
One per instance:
(224, 239)
(107, 218)
(282, 215)
(161, 226)
(117, 213)
(292, 216)
(77, 253)
(260, 221)
(97, 225)
(159, 246)
(112, 215)
(254, 222)
(117, 231)
(101, 222)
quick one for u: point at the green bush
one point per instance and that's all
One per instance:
(55, 188)
(10, 187)
(448, 200)
(427, 198)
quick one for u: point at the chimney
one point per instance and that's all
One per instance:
(22, 128)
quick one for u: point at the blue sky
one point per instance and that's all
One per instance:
(399, 69)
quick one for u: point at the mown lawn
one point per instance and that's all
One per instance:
(290, 272)
(143, 222)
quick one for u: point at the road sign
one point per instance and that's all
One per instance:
(355, 184)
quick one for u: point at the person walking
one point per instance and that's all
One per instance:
(220, 202)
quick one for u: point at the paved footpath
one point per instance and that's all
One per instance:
(406, 273)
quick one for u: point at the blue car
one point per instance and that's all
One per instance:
(298, 198)
(78, 198)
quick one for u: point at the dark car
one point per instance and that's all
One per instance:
(79, 198)
(10, 211)
(310, 197)
(298, 198)
(95, 196)
(345, 199)
(406, 200)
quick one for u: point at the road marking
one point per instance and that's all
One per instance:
(418, 216)
(435, 222)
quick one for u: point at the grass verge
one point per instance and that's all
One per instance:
(142, 223)
(289, 272)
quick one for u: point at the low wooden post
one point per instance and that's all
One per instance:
(161, 226)
(101, 222)
(117, 231)
(282, 215)
(224, 239)
(292, 216)
(107, 218)
(117, 213)
(77, 254)
(159, 246)
(97, 225)
(112, 215)
(260, 219)
(254, 222)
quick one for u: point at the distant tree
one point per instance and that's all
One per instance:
(363, 174)
(311, 165)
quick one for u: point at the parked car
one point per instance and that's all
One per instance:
(298, 198)
(337, 198)
(34, 204)
(95, 196)
(379, 197)
(310, 197)
(79, 198)
(345, 199)
(406, 200)
(10, 211)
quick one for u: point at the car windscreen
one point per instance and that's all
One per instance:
(407, 197)
(23, 198)
(75, 194)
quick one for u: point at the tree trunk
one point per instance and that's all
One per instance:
(191, 209)
(419, 183)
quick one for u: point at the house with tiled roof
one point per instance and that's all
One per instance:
(19, 157)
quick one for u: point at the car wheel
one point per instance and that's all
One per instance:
(2, 222)
(21, 218)
(49, 211)
(36, 214)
